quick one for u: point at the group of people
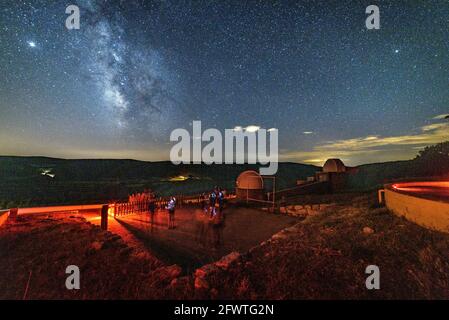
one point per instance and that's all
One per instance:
(213, 203)
(171, 206)
(209, 219)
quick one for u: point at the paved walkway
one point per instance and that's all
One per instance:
(190, 243)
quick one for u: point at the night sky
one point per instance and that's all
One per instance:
(136, 70)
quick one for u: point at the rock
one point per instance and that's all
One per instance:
(328, 230)
(214, 293)
(181, 282)
(279, 236)
(227, 260)
(174, 282)
(201, 284)
(125, 251)
(172, 271)
(368, 230)
(292, 229)
(141, 255)
(312, 212)
(96, 245)
(326, 206)
(204, 271)
(167, 273)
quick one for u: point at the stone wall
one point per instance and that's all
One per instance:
(304, 211)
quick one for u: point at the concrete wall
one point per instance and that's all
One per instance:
(3, 216)
(60, 208)
(431, 214)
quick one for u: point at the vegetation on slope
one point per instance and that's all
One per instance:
(432, 161)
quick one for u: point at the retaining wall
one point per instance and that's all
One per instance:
(432, 214)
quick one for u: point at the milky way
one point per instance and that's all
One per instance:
(135, 70)
(133, 79)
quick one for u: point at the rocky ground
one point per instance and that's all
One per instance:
(322, 257)
(326, 255)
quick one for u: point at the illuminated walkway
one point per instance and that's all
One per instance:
(243, 229)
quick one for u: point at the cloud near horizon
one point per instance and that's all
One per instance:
(442, 116)
(373, 148)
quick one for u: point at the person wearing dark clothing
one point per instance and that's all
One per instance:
(152, 210)
(220, 199)
(212, 202)
(204, 202)
(216, 222)
(171, 213)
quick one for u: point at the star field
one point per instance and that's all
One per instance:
(136, 70)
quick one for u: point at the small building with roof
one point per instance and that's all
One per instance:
(335, 172)
(249, 185)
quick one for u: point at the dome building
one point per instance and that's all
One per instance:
(249, 185)
(334, 165)
(334, 172)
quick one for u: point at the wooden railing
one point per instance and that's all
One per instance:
(141, 206)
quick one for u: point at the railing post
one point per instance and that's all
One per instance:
(381, 196)
(104, 217)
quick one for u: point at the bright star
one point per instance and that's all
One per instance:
(396, 51)
(32, 44)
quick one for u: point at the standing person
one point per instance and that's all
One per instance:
(216, 223)
(152, 210)
(204, 202)
(171, 213)
(220, 200)
(201, 224)
(212, 201)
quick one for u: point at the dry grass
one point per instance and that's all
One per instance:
(324, 257)
(45, 245)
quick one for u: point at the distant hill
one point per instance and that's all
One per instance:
(371, 176)
(431, 162)
(26, 181)
(44, 181)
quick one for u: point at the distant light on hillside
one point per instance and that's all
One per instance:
(178, 178)
(47, 172)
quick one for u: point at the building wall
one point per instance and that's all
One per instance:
(337, 180)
